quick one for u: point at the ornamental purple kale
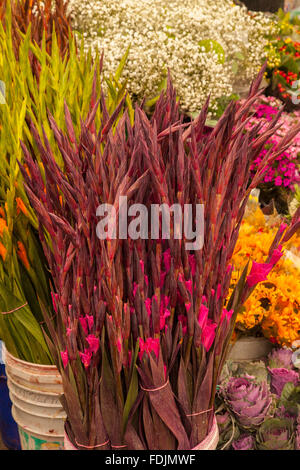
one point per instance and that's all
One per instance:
(280, 358)
(244, 442)
(247, 399)
(280, 377)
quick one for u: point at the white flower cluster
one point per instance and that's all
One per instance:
(166, 34)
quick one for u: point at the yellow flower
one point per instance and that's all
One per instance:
(274, 304)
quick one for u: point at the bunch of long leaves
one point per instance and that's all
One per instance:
(43, 18)
(142, 325)
(75, 80)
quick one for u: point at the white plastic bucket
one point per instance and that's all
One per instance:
(34, 391)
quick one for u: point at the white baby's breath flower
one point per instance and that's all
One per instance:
(165, 35)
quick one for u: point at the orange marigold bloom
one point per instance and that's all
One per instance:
(23, 255)
(21, 206)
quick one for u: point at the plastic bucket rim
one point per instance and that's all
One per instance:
(36, 414)
(31, 364)
(41, 392)
(38, 433)
(32, 413)
(35, 377)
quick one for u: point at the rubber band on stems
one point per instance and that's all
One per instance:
(155, 389)
(118, 447)
(15, 309)
(200, 412)
(92, 447)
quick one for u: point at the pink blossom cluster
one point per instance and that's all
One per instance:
(284, 172)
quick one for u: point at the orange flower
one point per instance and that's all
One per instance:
(3, 226)
(2, 213)
(3, 251)
(21, 206)
(23, 255)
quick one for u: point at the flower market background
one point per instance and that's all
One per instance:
(139, 344)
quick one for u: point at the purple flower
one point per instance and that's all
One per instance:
(276, 434)
(280, 377)
(280, 358)
(249, 400)
(244, 442)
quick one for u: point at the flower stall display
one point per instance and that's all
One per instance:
(272, 310)
(262, 412)
(210, 46)
(282, 177)
(142, 327)
(283, 53)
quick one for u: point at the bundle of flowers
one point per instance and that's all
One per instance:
(283, 175)
(283, 70)
(43, 18)
(273, 308)
(205, 43)
(142, 328)
(261, 413)
(29, 93)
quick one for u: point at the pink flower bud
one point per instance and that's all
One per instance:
(64, 357)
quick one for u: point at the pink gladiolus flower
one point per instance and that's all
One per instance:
(84, 324)
(119, 346)
(142, 265)
(203, 315)
(188, 306)
(258, 273)
(277, 254)
(86, 357)
(189, 286)
(69, 331)
(283, 227)
(54, 301)
(148, 303)
(90, 320)
(94, 343)
(151, 344)
(146, 280)
(64, 357)
(163, 317)
(226, 314)
(208, 334)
